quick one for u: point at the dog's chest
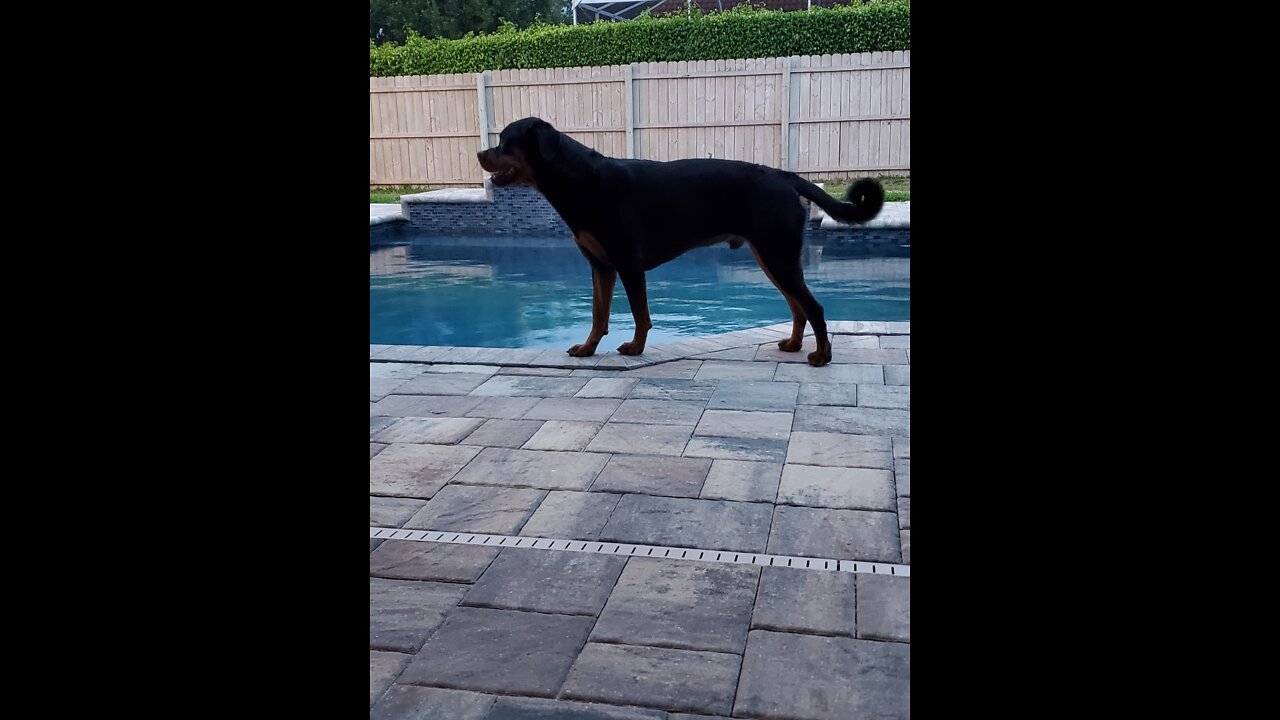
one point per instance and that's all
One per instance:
(591, 246)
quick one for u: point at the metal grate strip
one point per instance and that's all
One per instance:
(673, 553)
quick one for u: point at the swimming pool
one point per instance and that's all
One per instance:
(424, 293)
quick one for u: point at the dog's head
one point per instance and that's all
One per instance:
(523, 146)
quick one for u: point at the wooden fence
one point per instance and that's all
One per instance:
(841, 115)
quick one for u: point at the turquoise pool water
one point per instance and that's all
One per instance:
(421, 293)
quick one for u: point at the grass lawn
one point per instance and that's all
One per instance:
(896, 189)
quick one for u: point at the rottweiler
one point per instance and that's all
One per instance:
(630, 216)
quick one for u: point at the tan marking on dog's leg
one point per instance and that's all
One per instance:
(601, 299)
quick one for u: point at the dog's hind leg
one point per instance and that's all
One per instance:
(633, 283)
(786, 272)
(793, 343)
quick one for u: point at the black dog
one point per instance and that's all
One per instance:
(629, 216)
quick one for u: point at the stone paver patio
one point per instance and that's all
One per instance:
(721, 443)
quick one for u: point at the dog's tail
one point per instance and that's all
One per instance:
(862, 201)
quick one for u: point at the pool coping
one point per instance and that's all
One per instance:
(895, 216)
(694, 348)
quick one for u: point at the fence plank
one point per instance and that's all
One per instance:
(828, 116)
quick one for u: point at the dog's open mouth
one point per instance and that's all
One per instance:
(503, 177)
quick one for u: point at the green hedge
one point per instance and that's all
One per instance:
(740, 33)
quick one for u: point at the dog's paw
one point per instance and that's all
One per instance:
(817, 358)
(630, 348)
(790, 345)
(583, 350)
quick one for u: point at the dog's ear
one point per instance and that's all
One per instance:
(548, 140)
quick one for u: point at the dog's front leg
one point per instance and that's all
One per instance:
(601, 298)
(633, 283)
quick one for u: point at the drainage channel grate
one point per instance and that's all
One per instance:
(657, 551)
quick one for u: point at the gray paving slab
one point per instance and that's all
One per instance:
(408, 470)
(837, 487)
(897, 374)
(653, 475)
(680, 604)
(747, 395)
(904, 513)
(805, 601)
(399, 371)
(383, 669)
(465, 356)
(380, 387)
(539, 371)
(565, 583)
(607, 387)
(378, 422)
(855, 421)
(828, 393)
(403, 613)
(503, 433)
(744, 480)
(742, 424)
(519, 708)
(834, 373)
(436, 431)
(424, 405)
(398, 352)
(746, 353)
(563, 435)
(546, 469)
(763, 450)
(641, 439)
(895, 341)
(838, 534)
(902, 476)
(808, 677)
(410, 702)
(659, 412)
(736, 369)
(840, 450)
(672, 389)
(466, 369)
(436, 383)
(841, 343)
(906, 546)
(409, 560)
(500, 651)
(529, 386)
(598, 373)
(571, 408)
(870, 356)
(769, 352)
(571, 515)
(892, 397)
(477, 509)
(658, 677)
(884, 607)
(503, 408)
(392, 511)
(687, 522)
